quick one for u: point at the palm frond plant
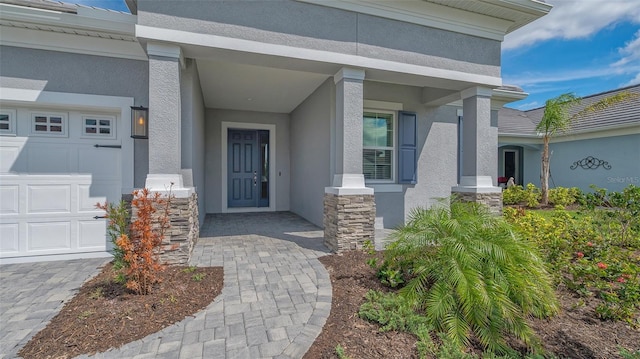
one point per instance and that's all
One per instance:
(471, 275)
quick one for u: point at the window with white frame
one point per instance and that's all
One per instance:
(48, 124)
(7, 122)
(378, 146)
(98, 126)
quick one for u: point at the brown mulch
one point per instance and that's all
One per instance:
(575, 333)
(104, 315)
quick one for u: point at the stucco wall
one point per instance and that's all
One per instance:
(310, 153)
(213, 154)
(193, 146)
(621, 152)
(77, 73)
(437, 154)
(310, 26)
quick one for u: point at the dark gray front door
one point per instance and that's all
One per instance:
(248, 168)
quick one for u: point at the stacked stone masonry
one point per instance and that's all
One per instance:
(183, 231)
(493, 200)
(349, 221)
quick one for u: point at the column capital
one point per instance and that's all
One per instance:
(476, 91)
(348, 73)
(166, 50)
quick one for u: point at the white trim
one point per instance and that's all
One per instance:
(476, 91)
(348, 73)
(386, 188)
(226, 125)
(11, 113)
(423, 13)
(516, 160)
(112, 127)
(121, 105)
(382, 105)
(394, 148)
(64, 124)
(255, 47)
(514, 138)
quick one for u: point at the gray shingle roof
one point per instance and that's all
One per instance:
(516, 122)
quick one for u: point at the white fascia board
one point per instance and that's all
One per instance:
(185, 38)
(79, 44)
(86, 19)
(426, 14)
(633, 129)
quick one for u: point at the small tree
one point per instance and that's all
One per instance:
(557, 119)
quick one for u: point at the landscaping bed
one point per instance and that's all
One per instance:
(105, 315)
(574, 333)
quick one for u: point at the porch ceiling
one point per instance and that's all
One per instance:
(227, 85)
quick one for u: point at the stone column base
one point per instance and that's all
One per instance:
(493, 200)
(349, 220)
(183, 232)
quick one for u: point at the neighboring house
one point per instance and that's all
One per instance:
(343, 112)
(602, 148)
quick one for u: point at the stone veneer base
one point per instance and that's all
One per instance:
(491, 199)
(183, 232)
(349, 221)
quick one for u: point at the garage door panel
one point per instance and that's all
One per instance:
(49, 199)
(48, 159)
(46, 236)
(102, 163)
(91, 233)
(9, 238)
(9, 199)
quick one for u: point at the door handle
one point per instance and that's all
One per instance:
(255, 178)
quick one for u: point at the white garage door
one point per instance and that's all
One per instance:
(51, 176)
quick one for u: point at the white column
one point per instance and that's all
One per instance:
(480, 143)
(348, 178)
(165, 64)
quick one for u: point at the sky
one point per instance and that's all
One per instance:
(581, 46)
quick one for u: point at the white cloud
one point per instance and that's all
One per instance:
(630, 52)
(563, 75)
(528, 105)
(572, 19)
(634, 81)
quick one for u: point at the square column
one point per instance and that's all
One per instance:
(480, 143)
(165, 152)
(165, 122)
(349, 206)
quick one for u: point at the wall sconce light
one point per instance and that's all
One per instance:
(140, 122)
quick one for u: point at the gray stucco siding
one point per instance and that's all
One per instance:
(296, 24)
(437, 143)
(310, 152)
(74, 73)
(55, 71)
(193, 132)
(621, 152)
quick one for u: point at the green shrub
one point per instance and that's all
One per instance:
(471, 274)
(532, 196)
(562, 196)
(118, 225)
(513, 195)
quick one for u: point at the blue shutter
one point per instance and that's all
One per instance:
(407, 160)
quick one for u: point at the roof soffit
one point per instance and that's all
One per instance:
(88, 21)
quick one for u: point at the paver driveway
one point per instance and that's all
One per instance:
(275, 300)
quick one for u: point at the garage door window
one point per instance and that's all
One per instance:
(98, 126)
(47, 124)
(7, 122)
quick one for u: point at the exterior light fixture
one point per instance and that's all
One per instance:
(140, 122)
